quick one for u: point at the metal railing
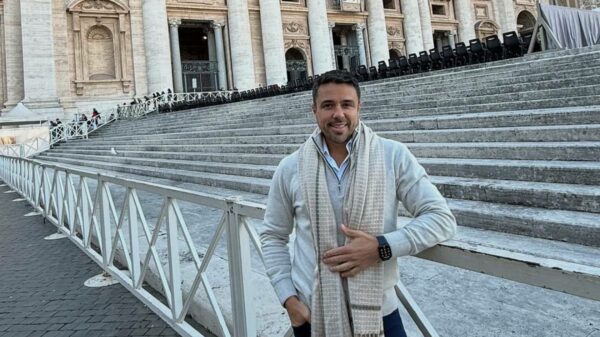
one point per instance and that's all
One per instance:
(80, 129)
(165, 101)
(93, 222)
(26, 149)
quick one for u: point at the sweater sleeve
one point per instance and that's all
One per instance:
(433, 221)
(274, 234)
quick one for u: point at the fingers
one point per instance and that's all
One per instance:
(336, 251)
(351, 273)
(341, 268)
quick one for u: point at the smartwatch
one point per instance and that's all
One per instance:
(384, 249)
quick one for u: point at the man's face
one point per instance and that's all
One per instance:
(337, 111)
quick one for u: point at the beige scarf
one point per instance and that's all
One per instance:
(364, 202)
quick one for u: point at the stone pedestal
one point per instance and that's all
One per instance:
(466, 23)
(378, 32)
(156, 45)
(39, 75)
(412, 26)
(426, 30)
(273, 46)
(241, 45)
(176, 55)
(320, 38)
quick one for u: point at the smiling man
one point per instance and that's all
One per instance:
(340, 191)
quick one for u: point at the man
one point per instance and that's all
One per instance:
(340, 191)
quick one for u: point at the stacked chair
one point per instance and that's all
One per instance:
(477, 51)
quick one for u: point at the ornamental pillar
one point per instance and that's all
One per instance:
(176, 55)
(272, 39)
(156, 45)
(377, 31)
(412, 26)
(320, 37)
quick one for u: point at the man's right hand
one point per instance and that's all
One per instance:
(297, 311)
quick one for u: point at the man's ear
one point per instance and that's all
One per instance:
(314, 108)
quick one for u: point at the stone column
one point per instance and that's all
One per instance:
(272, 39)
(218, 33)
(14, 53)
(360, 40)
(439, 42)
(506, 16)
(412, 26)
(424, 10)
(345, 58)
(332, 45)
(452, 40)
(156, 45)
(320, 37)
(39, 75)
(176, 55)
(378, 32)
(241, 45)
(466, 24)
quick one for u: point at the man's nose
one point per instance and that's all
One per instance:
(338, 111)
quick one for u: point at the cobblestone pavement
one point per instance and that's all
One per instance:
(42, 291)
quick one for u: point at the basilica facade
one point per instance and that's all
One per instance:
(62, 57)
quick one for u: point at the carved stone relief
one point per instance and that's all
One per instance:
(393, 31)
(294, 28)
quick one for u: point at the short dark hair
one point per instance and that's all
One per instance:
(334, 76)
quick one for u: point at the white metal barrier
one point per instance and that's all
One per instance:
(165, 101)
(91, 221)
(26, 149)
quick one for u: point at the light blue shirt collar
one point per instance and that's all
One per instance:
(338, 170)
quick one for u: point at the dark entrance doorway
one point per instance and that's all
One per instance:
(199, 66)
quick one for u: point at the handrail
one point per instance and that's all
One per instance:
(80, 129)
(63, 195)
(166, 101)
(26, 149)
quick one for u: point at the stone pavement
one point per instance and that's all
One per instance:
(42, 291)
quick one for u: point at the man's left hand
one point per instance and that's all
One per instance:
(359, 254)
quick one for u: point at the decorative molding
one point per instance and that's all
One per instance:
(96, 6)
(393, 31)
(358, 26)
(296, 43)
(294, 28)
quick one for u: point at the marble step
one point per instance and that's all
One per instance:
(552, 133)
(305, 116)
(566, 151)
(548, 195)
(569, 226)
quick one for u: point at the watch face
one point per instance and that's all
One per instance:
(385, 252)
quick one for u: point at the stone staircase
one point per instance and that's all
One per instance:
(513, 145)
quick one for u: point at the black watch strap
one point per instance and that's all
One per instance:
(384, 249)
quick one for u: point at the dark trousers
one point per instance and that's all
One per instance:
(392, 327)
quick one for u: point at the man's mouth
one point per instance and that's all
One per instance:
(338, 126)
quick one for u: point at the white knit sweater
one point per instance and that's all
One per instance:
(407, 182)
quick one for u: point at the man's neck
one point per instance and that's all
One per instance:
(339, 152)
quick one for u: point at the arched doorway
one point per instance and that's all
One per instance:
(295, 63)
(394, 54)
(485, 28)
(525, 22)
